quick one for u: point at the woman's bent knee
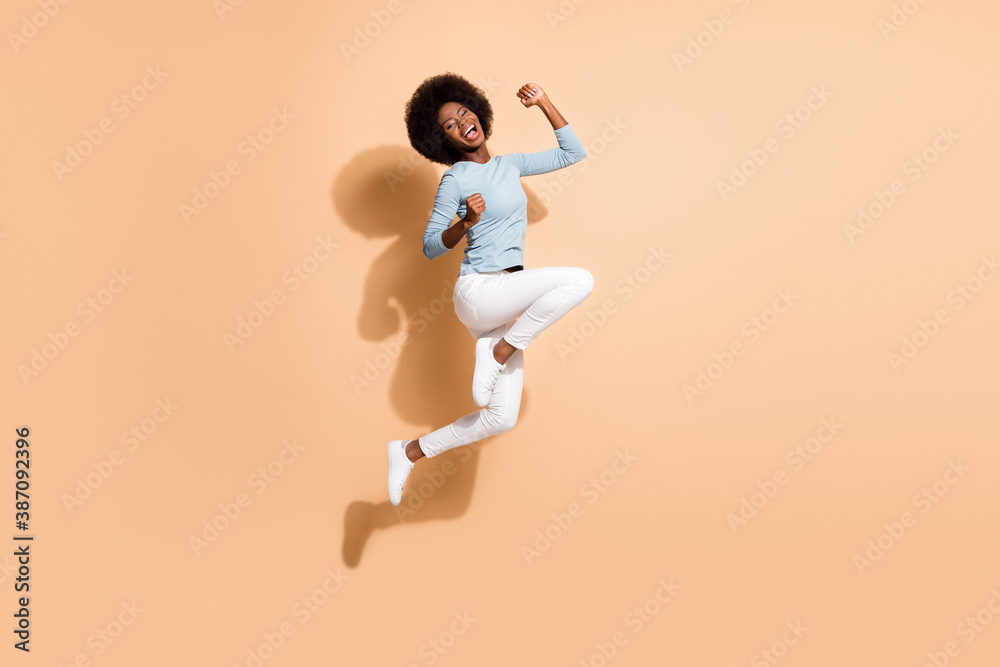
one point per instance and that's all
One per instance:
(499, 421)
(508, 421)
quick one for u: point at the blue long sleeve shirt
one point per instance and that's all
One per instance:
(497, 240)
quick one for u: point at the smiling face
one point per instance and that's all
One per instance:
(460, 126)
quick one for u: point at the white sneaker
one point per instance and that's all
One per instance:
(399, 469)
(487, 371)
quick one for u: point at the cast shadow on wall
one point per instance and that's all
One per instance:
(427, 356)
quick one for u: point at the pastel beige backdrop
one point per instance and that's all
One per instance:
(777, 516)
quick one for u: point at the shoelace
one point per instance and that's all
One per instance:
(492, 380)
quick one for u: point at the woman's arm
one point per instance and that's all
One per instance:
(570, 149)
(531, 94)
(439, 227)
(552, 113)
(451, 236)
(439, 235)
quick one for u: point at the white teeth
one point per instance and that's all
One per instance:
(469, 131)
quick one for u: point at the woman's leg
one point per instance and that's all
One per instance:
(499, 415)
(536, 297)
(486, 304)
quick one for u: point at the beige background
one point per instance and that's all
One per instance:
(324, 177)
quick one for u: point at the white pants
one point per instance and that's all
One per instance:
(516, 306)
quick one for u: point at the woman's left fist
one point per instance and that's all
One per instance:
(531, 94)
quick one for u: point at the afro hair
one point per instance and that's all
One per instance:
(426, 136)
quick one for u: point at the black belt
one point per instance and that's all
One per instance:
(511, 269)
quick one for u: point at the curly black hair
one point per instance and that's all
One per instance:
(426, 136)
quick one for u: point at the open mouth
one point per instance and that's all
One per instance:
(471, 132)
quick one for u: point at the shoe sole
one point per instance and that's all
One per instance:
(393, 444)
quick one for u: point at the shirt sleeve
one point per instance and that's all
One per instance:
(569, 151)
(446, 203)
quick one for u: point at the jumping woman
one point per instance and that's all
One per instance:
(503, 305)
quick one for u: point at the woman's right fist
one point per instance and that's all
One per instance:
(474, 207)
